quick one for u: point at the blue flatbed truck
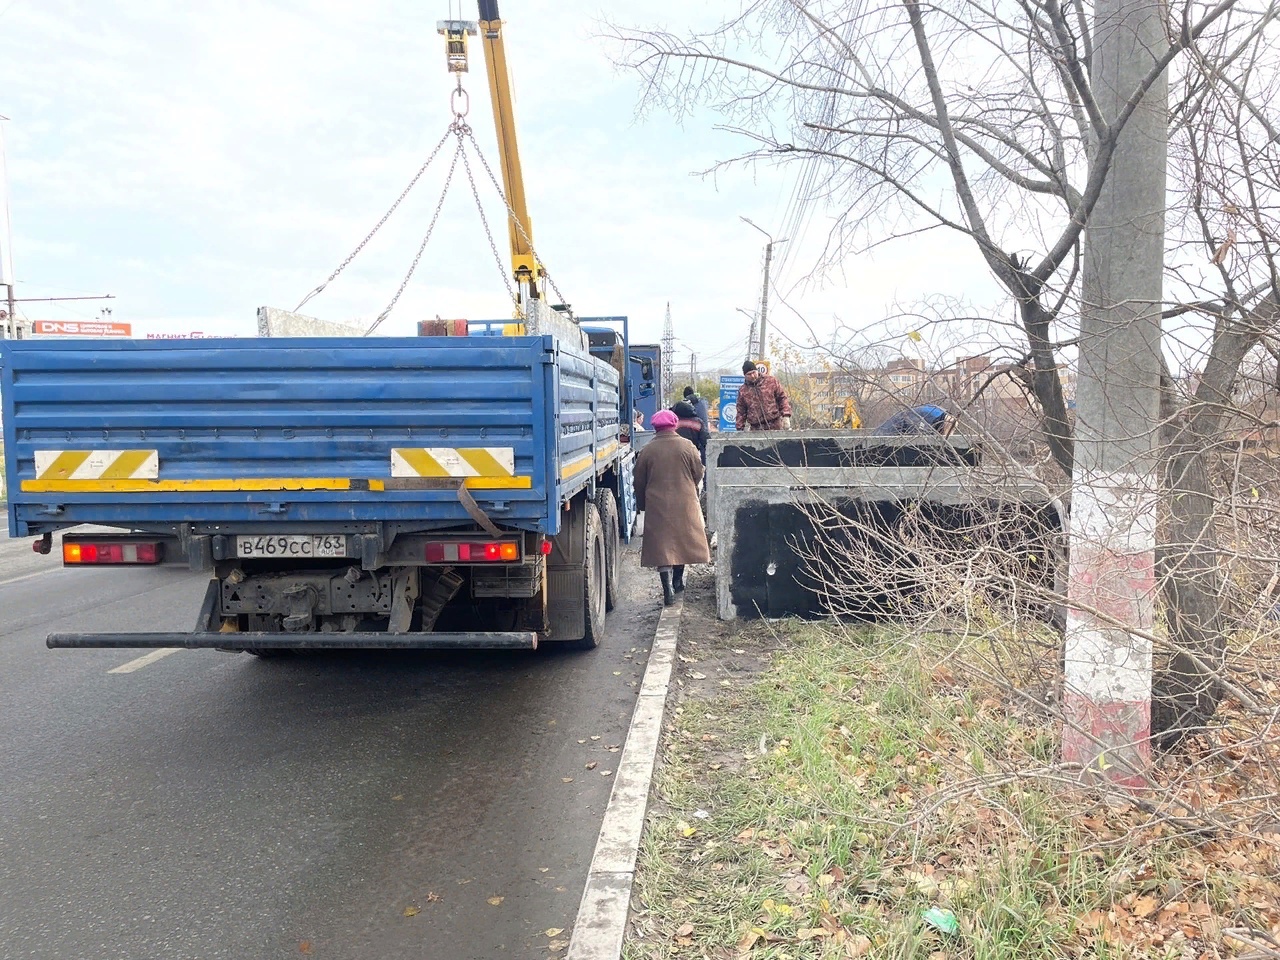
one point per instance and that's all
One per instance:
(429, 492)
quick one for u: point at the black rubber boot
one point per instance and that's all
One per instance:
(677, 578)
(668, 595)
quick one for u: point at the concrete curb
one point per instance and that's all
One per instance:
(606, 899)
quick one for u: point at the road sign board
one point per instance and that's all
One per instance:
(729, 402)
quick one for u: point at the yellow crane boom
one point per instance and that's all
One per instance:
(526, 269)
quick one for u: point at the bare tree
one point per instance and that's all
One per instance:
(995, 101)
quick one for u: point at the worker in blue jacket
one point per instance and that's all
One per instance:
(919, 419)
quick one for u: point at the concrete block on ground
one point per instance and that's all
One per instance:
(767, 493)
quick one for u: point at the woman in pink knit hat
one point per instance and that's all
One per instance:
(667, 474)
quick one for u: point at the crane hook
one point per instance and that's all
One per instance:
(459, 95)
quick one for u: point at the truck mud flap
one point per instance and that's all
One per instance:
(300, 641)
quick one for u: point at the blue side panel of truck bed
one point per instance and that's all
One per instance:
(232, 413)
(588, 428)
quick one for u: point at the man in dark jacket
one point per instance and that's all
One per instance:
(699, 407)
(763, 404)
(692, 427)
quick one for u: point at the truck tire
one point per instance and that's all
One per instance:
(608, 507)
(595, 569)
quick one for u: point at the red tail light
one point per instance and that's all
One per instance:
(454, 551)
(83, 552)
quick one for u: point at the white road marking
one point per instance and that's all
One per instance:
(145, 660)
(28, 576)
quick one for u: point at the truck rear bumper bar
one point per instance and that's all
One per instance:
(300, 641)
(203, 638)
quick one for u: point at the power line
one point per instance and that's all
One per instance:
(797, 217)
(104, 296)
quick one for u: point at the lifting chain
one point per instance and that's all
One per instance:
(511, 213)
(453, 165)
(377, 226)
(460, 104)
(484, 221)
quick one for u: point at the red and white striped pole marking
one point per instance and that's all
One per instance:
(1107, 690)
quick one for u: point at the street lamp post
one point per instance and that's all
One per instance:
(751, 332)
(764, 293)
(10, 326)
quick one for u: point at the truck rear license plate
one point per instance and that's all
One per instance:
(332, 545)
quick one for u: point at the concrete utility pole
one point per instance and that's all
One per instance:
(1111, 581)
(764, 299)
(764, 293)
(10, 326)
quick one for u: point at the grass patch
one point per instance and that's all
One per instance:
(823, 809)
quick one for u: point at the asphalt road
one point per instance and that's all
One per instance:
(211, 805)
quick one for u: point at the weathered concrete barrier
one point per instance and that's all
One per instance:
(777, 500)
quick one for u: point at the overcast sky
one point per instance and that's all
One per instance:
(200, 160)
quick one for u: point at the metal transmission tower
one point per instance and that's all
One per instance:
(668, 358)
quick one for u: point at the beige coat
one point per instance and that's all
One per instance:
(667, 473)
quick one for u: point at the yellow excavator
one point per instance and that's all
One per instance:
(849, 418)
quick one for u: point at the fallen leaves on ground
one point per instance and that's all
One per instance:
(843, 814)
(758, 935)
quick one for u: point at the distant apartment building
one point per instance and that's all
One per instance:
(904, 373)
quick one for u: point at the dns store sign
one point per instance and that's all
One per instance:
(81, 328)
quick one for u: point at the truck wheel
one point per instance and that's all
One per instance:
(595, 568)
(608, 508)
